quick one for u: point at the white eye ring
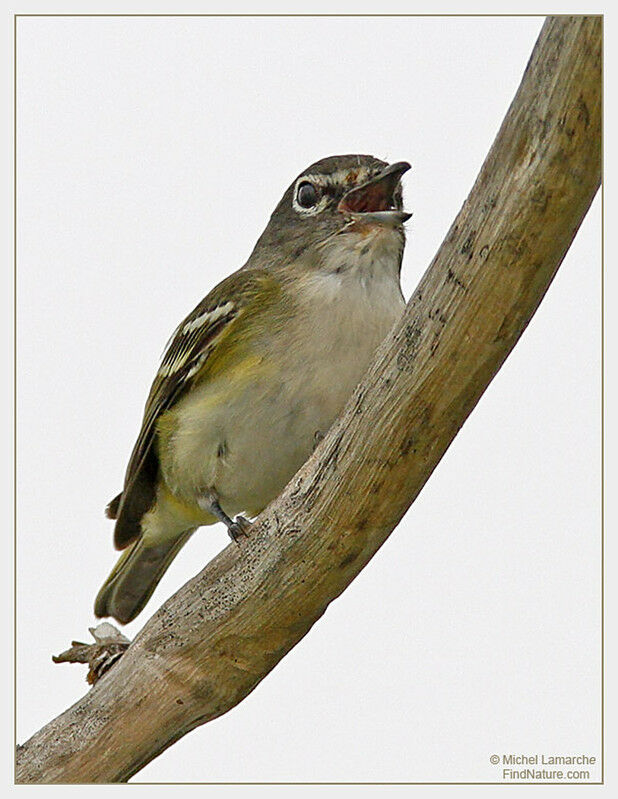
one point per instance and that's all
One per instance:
(321, 200)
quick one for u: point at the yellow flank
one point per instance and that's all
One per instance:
(238, 373)
(189, 511)
(188, 434)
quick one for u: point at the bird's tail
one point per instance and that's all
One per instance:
(135, 576)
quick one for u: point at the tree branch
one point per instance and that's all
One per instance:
(219, 635)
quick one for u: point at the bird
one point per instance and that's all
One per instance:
(257, 373)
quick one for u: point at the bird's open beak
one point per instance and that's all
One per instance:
(373, 202)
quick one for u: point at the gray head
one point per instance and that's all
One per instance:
(334, 201)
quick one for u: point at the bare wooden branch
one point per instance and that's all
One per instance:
(217, 637)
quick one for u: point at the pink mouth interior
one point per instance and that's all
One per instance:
(374, 197)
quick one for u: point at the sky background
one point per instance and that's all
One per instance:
(151, 154)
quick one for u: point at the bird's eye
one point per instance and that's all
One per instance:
(306, 195)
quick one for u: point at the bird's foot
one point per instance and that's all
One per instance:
(240, 528)
(237, 528)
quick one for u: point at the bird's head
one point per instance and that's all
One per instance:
(332, 207)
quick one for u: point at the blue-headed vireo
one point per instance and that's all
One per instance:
(258, 372)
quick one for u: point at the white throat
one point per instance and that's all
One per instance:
(355, 296)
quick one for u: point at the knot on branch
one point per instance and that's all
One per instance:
(109, 646)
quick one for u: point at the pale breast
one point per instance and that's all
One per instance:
(246, 438)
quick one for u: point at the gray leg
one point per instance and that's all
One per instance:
(236, 528)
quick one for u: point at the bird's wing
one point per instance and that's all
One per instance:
(183, 360)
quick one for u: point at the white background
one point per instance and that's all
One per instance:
(151, 153)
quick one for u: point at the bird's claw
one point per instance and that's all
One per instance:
(240, 528)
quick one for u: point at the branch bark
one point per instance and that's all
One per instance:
(218, 636)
